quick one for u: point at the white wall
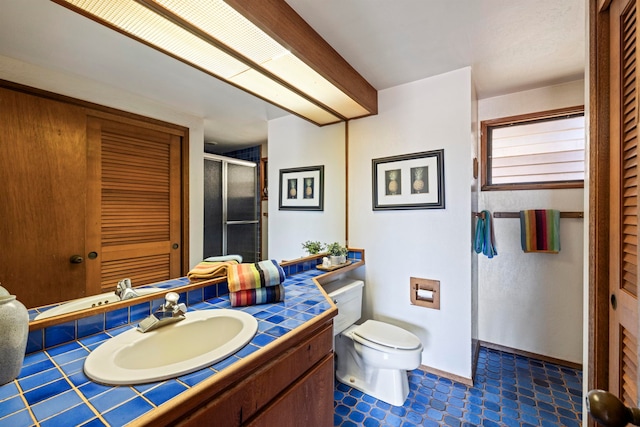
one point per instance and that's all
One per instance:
(89, 90)
(425, 115)
(293, 143)
(533, 302)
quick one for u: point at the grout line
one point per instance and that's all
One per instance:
(26, 404)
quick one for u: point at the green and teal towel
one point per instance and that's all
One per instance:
(485, 240)
(540, 230)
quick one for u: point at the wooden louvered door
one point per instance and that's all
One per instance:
(133, 206)
(623, 318)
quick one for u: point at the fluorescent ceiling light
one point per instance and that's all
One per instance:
(211, 36)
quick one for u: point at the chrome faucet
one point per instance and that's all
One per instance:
(169, 312)
(124, 290)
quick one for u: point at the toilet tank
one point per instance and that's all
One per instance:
(347, 295)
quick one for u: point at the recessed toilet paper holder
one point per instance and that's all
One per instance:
(425, 292)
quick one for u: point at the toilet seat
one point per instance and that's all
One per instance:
(383, 336)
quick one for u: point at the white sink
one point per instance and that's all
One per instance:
(90, 302)
(201, 339)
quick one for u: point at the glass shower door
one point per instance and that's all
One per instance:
(242, 212)
(230, 208)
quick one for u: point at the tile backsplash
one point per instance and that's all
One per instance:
(52, 336)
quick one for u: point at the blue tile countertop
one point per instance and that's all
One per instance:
(52, 389)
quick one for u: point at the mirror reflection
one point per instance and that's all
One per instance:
(47, 312)
(89, 200)
(123, 215)
(102, 174)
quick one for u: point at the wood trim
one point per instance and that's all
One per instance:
(35, 325)
(536, 186)
(327, 277)
(282, 23)
(97, 109)
(603, 5)
(531, 355)
(315, 52)
(448, 375)
(530, 117)
(186, 243)
(264, 179)
(318, 280)
(346, 179)
(598, 154)
(521, 118)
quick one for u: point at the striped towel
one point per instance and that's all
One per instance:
(540, 230)
(210, 269)
(257, 296)
(262, 274)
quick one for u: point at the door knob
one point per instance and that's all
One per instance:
(609, 411)
(76, 259)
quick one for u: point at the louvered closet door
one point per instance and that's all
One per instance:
(134, 204)
(623, 319)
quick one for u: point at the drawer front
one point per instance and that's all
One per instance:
(308, 402)
(235, 406)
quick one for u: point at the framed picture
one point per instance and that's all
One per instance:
(409, 181)
(302, 189)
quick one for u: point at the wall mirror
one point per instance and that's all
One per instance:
(93, 196)
(88, 67)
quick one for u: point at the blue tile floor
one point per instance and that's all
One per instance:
(508, 390)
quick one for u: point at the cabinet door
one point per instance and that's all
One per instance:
(309, 402)
(42, 198)
(134, 203)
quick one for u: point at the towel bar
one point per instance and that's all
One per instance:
(517, 214)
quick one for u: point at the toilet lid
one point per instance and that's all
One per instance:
(387, 335)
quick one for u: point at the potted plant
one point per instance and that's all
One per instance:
(337, 252)
(312, 247)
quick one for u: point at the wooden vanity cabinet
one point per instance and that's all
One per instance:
(308, 402)
(294, 388)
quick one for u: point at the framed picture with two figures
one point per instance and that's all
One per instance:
(302, 189)
(409, 181)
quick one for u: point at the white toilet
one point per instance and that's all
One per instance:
(373, 357)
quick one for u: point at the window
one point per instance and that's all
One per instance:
(534, 151)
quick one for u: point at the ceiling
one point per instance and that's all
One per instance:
(511, 45)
